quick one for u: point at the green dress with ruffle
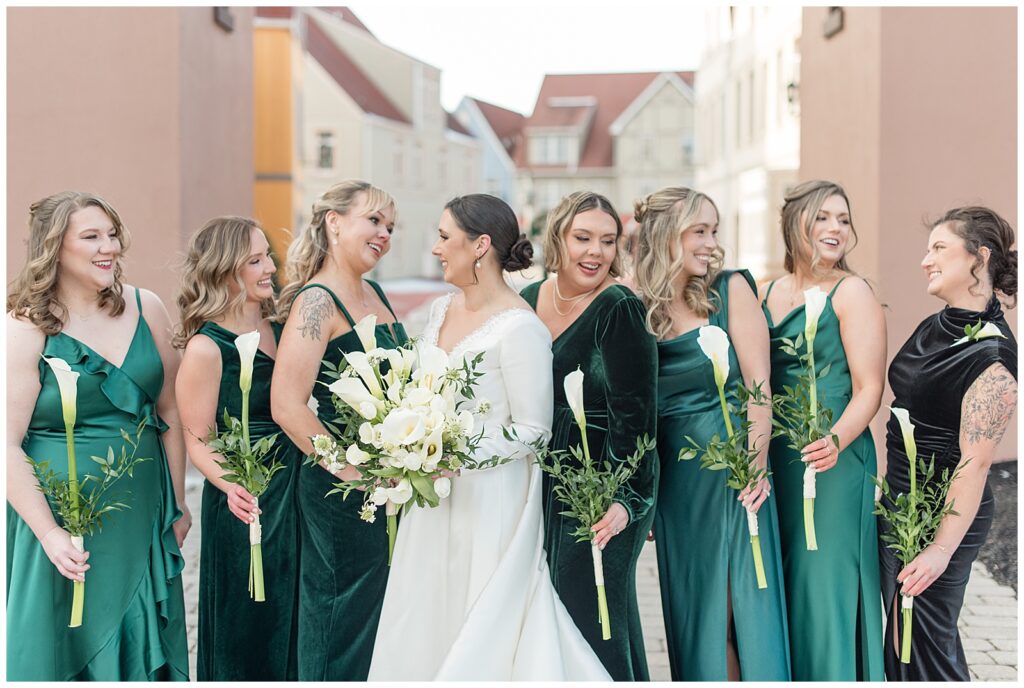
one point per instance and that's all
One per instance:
(133, 626)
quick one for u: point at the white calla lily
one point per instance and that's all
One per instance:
(814, 305)
(714, 342)
(573, 385)
(247, 344)
(67, 383)
(366, 331)
(354, 393)
(989, 330)
(907, 428)
(431, 365)
(379, 496)
(402, 427)
(359, 362)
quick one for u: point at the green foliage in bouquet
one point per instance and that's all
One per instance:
(95, 502)
(245, 464)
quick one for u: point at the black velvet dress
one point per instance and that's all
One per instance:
(929, 378)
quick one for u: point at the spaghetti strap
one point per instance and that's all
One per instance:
(138, 299)
(384, 299)
(836, 287)
(337, 301)
(768, 293)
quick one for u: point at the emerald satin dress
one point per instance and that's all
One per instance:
(133, 624)
(343, 568)
(703, 543)
(610, 344)
(833, 593)
(239, 638)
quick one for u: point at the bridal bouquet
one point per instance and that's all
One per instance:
(82, 511)
(731, 454)
(245, 463)
(795, 412)
(915, 517)
(587, 488)
(402, 424)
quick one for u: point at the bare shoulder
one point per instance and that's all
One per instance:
(24, 339)
(153, 308)
(855, 296)
(739, 290)
(988, 405)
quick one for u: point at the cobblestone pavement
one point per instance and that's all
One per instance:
(988, 623)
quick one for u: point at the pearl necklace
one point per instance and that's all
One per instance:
(575, 299)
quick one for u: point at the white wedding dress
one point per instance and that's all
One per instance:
(469, 596)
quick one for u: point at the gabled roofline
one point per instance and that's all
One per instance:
(673, 78)
(489, 133)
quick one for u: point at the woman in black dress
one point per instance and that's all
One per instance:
(961, 396)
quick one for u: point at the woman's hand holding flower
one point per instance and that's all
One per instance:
(69, 561)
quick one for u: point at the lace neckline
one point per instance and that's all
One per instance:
(487, 327)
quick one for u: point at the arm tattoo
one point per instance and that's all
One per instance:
(314, 310)
(988, 405)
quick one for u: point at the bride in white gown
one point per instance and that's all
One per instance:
(469, 596)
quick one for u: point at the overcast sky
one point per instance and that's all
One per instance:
(500, 52)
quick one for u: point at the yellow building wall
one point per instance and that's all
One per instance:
(274, 145)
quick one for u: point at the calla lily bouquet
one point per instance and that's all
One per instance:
(585, 487)
(82, 511)
(915, 517)
(795, 411)
(732, 453)
(402, 423)
(244, 463)
(979, 331)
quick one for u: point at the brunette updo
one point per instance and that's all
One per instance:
(478, 214)
(979, 226)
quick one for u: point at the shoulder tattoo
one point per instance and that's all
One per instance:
(988, 405)
(314, 310)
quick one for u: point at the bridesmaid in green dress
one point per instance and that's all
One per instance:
(69, 302)
(597, 325)
(343, 567)
(833, 593)
(226, 291)
(719, 624)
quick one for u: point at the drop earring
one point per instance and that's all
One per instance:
(334, 238)
(478, 264)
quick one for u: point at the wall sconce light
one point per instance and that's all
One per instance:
(833, 22)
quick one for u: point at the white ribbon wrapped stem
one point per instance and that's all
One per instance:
(752, 522)
(908, 602)
(598, 568)
(809, 488)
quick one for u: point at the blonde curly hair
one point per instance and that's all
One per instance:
(216, 254)
(32, 295)
(662, 217)
(309, 249)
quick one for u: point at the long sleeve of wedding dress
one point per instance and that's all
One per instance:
(469, 596)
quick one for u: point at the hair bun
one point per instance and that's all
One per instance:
(520, 256)
(640, 209)
(1005, 277)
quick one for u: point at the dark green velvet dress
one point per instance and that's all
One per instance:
(240, 639)
(701, 532)
(833, 593)
(610, 344)
(133, 624)
(344, 560)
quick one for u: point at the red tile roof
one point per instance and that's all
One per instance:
(557, 107)
(348, 75)
(507, 125)
(274, 12)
